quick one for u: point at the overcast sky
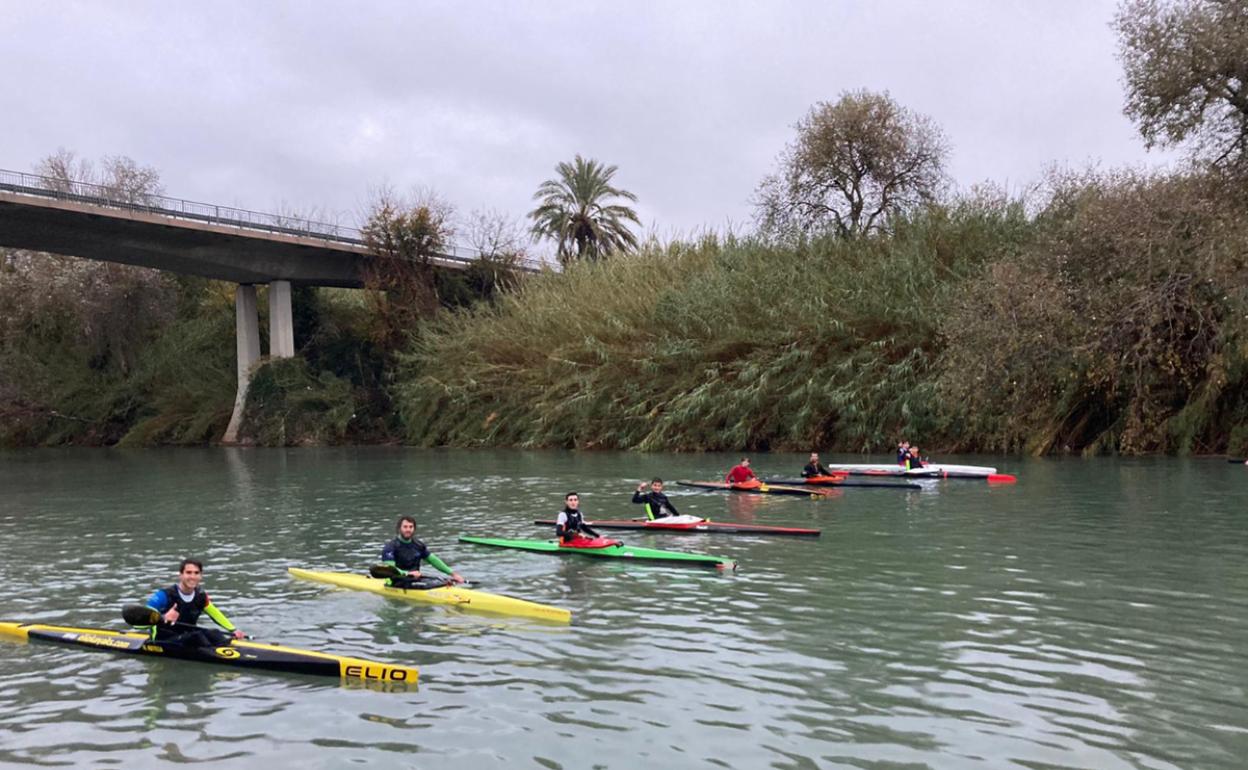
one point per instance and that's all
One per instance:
(310, 105)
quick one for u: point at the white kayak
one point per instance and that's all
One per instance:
(932, 470)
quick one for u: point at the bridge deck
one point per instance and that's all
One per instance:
(221, 242)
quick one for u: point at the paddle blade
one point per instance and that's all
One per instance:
(383, 571)
(138, 615)
(1001, 478)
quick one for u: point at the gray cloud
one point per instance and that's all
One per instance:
(309, 105)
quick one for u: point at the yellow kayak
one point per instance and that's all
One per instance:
(464, 598)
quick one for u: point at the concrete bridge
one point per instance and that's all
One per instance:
(228, 244)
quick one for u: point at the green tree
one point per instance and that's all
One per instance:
(575, 211)
(405, 237)
(1186, 72)
(854, 163)
(116, 308)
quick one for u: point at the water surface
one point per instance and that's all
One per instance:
(1092, 616)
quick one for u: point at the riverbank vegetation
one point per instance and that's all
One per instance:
(1114, 318)
(1102, 311)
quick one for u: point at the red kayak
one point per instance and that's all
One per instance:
(694, 525)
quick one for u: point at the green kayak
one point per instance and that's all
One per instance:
(627, 552)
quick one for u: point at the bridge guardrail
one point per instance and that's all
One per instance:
(178, 208)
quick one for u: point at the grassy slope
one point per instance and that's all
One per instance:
(713, 345)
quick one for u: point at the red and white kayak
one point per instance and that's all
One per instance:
(694, 525)
(931, 470)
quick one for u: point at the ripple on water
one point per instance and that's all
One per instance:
(1092, 616)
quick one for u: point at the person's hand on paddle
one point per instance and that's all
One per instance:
(455, 578)
(238, 634)
(641, 487)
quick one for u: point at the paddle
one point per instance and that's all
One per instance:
(139, 615)
(388, 572)
(142, 615)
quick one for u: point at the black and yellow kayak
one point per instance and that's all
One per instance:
(236, 654)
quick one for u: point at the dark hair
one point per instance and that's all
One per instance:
(565, 497)
(398, 524)
(656, 480)
(196, 562)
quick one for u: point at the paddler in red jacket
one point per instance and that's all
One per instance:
(741, 473)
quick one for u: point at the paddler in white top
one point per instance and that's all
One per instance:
(570, 525)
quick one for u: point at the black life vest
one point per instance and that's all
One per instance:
(188, 612)
(575, 522)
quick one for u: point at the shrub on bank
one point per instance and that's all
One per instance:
(718, 344)
(1121, 327)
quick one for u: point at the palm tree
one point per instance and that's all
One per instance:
(573, 211)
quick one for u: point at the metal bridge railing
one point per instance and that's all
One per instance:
(178, 208)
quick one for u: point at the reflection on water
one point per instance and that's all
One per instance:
(1091, 616)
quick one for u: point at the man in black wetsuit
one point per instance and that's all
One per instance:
(570, 524)
(814, 468)
(657, 504)
(180, 606)
(405, 552)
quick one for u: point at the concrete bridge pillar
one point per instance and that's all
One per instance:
(247, 335)
(281, 321)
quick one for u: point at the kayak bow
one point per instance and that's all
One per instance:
(236, 654)
(463, 598)
(693, 524)
(627, 552)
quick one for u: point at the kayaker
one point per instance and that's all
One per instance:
(903, 453)
(814, 468)
(913, 462)
(657, 504)
(740, 473)
(180, 606)
(405, 552)
(570, 524)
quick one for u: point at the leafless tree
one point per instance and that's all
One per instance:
(119, 178)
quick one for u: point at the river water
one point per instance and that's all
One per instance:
(1094, 615)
